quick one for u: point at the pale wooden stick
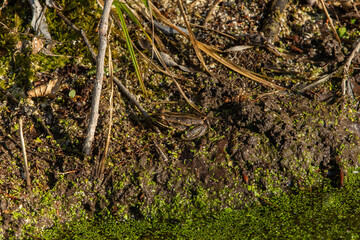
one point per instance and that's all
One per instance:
(94, 115)
(28, 183)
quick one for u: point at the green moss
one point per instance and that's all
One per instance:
(304, 215)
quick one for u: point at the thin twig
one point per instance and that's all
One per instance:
(266, 201)
(29, 34)
(331, 22)
(126, 92)
(72, 171)
(10, 196)
(80, 31)
(28, 183)
(94, 115)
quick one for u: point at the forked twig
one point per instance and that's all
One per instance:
(28, 183)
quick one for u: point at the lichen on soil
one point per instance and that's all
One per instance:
(260, 143)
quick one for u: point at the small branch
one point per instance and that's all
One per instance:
(80, 31)
(94, 115)
(123, 89)
(131, 97)
(28, 183)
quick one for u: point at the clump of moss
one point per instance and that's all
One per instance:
(329, 212)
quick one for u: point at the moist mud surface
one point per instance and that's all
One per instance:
(259, 142)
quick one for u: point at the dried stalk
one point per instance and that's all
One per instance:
(192, 38)
(331, 22)
(111, 74)
(94, 115)
(28, 183)
(211, 52)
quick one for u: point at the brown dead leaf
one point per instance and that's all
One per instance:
(50, 88)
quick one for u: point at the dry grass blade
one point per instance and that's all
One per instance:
(238, 48)
(210, 51)
(238, 69)
(192, 38)
(111, 74)
(331, 22)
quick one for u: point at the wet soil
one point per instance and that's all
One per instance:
(259, 142)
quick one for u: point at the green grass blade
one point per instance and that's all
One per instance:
(124, 8)
(129, 46)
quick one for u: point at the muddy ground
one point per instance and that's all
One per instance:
(259, 142)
